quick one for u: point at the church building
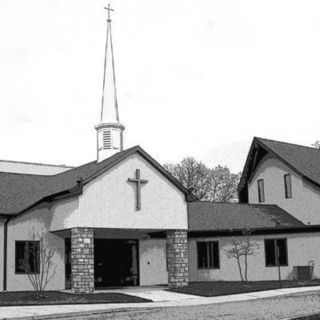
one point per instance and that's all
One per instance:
(123, 220)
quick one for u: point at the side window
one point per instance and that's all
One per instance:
(27, 258)
(208, 255)
(287, 186)
(276, 251)
(261, 190)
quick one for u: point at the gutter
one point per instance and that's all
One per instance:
(5, 250)
(68, 193)
(255, 231)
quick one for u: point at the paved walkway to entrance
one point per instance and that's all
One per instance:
(160, 297)
(156, 294)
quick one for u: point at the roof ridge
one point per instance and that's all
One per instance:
(95, 161)
(28, 174)
(115, 156)
(284, 142)
(64, 172)
(39, 163)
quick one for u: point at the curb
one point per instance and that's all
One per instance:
(122, 309)
(309, 316)
(77, 315)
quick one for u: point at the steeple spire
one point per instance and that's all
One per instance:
(109, 130)
(109, 106)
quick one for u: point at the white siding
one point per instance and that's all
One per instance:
(305, 201)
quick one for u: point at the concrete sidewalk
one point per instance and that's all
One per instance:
(176, 300)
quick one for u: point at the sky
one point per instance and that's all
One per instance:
(194, 78)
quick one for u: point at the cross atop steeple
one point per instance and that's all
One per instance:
(109, 9)
(110, 130)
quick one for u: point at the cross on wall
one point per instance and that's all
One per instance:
(139, 182)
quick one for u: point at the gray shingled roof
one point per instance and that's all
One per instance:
(213, 216)
(18, 192)
(305, 160)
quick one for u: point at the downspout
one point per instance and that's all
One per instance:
(5, 250)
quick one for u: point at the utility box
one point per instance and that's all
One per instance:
(302, 273)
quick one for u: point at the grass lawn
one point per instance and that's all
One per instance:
(219, 288)
(23, 298)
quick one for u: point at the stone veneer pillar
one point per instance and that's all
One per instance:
(82, 260)
(177, 255)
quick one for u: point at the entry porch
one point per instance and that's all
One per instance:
(103, 258)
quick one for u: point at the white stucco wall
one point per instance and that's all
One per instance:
(305, 201)
(21, 228)
(64, 214)
(302, 248)
(153, 265)
(109, 201)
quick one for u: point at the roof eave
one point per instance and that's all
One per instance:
(255, 231)
(65, 194)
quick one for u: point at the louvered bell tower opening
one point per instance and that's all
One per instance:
(106, 139)
(112, 139)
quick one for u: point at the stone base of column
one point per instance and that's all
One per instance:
(178, 262)
(82, 260)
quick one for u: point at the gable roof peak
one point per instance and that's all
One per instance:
(33, 189)
(303, 160)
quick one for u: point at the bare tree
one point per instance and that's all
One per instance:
(243, 247)
(217, 184)
(223, 185)
(43, 268)
(193, 175)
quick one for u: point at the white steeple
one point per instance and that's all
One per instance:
(109, 130)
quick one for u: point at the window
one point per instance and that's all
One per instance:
(288, 186)
(208, 255)
(276, 249)
(261, 190)
(27, 257)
